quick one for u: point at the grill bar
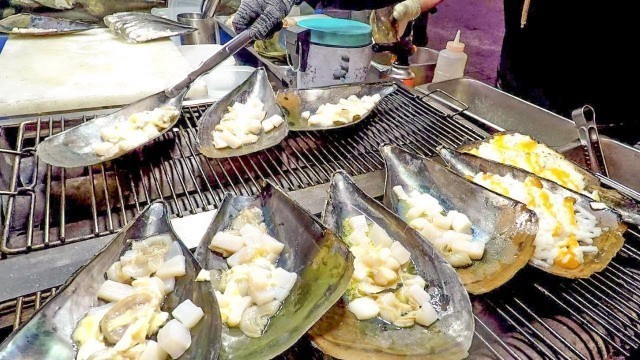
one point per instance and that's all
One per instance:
(534, 316)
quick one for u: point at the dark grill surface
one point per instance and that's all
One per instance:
(534, 316)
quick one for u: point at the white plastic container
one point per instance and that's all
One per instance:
(222, 79)
(451, 61)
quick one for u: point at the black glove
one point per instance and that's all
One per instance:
(263, 18)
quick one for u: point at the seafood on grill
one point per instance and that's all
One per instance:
(526, 153)
(242, 125)
(135, 299)
(331, 107)
(244, 121)
(345, 111)
(502, 228)
(135, 289)
(384, 283)
(340, 333)
(139, 128)
(253, 288)
(576, 235)
(450, 230)
(267, 306)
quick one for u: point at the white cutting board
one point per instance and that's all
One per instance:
(85, 70)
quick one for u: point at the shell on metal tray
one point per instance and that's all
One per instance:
(506, 227)
(609, 243)
(341, 335)
(74, 147)
(137, 27)
(294, 102)
(257, 86)
(30, 24)
(50, 328)
(322, 261)
(628, 208)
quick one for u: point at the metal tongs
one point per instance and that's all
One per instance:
(585, 119)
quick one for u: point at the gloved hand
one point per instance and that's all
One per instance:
(405, 12)
(263, 18)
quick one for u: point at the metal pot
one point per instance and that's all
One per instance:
(423, 63)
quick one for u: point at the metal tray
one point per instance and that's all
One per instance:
(502, 111)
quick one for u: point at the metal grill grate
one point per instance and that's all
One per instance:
(47, 206)
(534, 316)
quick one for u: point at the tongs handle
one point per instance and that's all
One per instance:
(234, 45)
(585, 119)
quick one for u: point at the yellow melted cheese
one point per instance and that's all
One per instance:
(523, 152)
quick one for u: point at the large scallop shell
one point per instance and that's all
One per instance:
(321, 260)
(257, 86)
(506, 227)
(609, 243)
(628, 208)
(340, 335)
(49, 330)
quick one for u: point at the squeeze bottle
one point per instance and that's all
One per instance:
(451, 61)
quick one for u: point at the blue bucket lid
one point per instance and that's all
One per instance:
(337, 32)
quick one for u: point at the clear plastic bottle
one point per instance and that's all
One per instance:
(451, 61)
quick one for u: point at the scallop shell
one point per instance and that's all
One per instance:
(323, 263)
(257, 86)
(506, 227)
(51, 327)
(628, 208)
(340, 335)
(609, 242)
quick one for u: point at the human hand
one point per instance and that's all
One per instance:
(409, 10)
(262, 18)
(405, 12)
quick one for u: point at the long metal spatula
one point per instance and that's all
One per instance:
(73, 148)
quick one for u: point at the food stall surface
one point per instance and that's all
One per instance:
(56, 218)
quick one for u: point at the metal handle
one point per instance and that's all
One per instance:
(459, 111)
(230, 48)
(585, 119)
(620, 187)
(209, 8)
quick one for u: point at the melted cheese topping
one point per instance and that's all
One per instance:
(523, 152)
(565, 231)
